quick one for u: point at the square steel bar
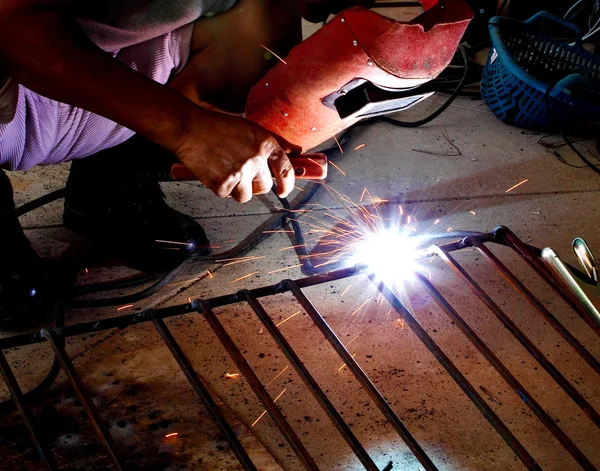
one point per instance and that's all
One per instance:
(204, 307)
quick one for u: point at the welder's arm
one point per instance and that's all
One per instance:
(318, 10)
(46, 51)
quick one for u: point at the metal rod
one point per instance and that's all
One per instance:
(15, 391)
(203, 394)
(506, 236)
(310, 382)
(258, 388)
(506, 374)
(566, 279)
(82, 392)
(123, 321)
(458, 377)
(535, 302)
(520, 336)
(360, 375)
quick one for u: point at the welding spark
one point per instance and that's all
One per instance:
(169, 435)
(264, 412)
(278, 375)
(345, 291)
(231, 375)
(288, 318)
(449, 229)
(244, 277)
(360, 146)
(124, 307)
(401, 210)
(188, 244)
(362, 305)
(389, 253)
(284, 269)
(337, 168)
(341, 367)
(269, 50)
(210, 275)
(338, 144)
(437, 221)
(362, 197)
(353, 339)
(517, 185)
(472, 212)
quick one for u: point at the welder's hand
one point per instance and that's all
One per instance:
(316, 11)
(235, 157)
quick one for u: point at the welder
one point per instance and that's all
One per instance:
(112, 81)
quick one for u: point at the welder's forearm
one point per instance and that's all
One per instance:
(51, 55)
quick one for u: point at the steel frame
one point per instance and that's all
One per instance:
(56, 338)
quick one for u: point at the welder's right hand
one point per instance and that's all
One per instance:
(235, 157)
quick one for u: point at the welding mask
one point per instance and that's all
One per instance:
(359, 65)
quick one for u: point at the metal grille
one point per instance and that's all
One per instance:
(56, 337)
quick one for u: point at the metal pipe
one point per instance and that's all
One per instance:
(457, 376)
(535, 302)
(360, 375)
(506, 236)
(203, 394)
(562, 273)
(82, 393)
(15, 391)
(506, 375)
(310, 382)
(520, 336)
(258, 388)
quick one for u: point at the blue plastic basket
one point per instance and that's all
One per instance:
(536, 81)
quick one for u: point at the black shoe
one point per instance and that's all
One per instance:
(113, 198)
(29, 286)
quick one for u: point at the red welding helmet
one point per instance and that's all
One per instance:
(334, 78)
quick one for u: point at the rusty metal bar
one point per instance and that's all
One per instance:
(535, 302)
(203, 394)
(83, 394)
(258, 388)
(507, 375)
(520, 336)
(506, 236)
(360, 375)
(458, 377)
(17, 395)
(310, 382)
(120, 322)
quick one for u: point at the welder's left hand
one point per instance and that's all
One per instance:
(316, 11)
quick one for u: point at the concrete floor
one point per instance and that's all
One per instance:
(136, 381)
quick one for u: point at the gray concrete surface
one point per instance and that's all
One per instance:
(557, 203)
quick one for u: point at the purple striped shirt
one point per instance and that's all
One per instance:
(150, 36)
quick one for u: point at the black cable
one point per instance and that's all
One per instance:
(579, 154)
(39, 202)
(562, 133)
(441, 109)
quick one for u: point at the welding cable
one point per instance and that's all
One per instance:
(51, 375)
(442, 108)
(250, 242)
(444, 81)
(568, 141)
